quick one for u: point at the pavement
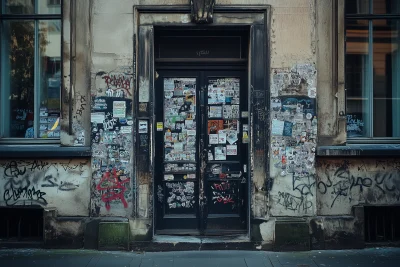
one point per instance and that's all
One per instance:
(39, 257)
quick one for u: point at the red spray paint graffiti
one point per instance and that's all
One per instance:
(114, 188)
(115, 82)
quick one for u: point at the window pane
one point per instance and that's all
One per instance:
(357, 6)
(49, 78)
(386, 78)
(386, 6)
(357, 78)
(17, 78)
(19, 6)
(49, 6)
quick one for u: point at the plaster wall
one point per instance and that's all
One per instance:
(344, 183)
(61, 185)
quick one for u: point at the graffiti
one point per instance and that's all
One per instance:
(81, 105)
(118, 84)
(181, 195)
(341, 180)
(20, 167)
(303, 184)
(13, 170)
(223, 192)
(292, 202)
(113, 187)
(50, 181)
(13, 196)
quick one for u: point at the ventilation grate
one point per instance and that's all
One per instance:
(382, 223)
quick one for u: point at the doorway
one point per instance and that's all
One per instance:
(201, 137)
(201, 151)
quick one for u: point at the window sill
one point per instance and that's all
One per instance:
(43, 151)
(352, 150)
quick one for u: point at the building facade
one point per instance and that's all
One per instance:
(270, 124)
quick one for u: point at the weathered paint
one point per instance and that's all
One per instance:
(62, 185)
(344, 183)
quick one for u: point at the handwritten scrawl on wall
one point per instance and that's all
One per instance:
(293, 140)
(342, 184)
(111, 136)
(43, 182)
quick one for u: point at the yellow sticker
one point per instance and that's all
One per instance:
(159, 126)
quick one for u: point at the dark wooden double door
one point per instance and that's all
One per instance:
(201, 152)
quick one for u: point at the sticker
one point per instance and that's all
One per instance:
(178, 146)
(159, 126)
(144, 90)
(232, 137)
(245, 114)
(213, 139)
(287, 128)
(308, 116)
(221, 137)
(142, 126)
(231, 150)
(214, 126)
(277, 127)
(191, 176)
(126, 129)
(119, 109)
(168, 177)
(130, 122)
(312, 92)
(97, 117)
(245, 127)
(191, 132)
(220, 153)
(215, 112)
(245, 138)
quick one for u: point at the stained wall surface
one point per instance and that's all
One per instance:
(63, 185)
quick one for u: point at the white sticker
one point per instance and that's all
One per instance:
(213, 139)
(231, 150)
(220, 153)
(221, 138)
(191, 132)
(119, 109)
(277, 127)
(126, 129)
(98, 117)
(142, 126)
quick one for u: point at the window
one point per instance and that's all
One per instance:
(373, 69)
(30, 69)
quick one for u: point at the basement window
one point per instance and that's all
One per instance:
(21, 224)
(382, 224)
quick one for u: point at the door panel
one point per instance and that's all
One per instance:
(226, 154)
(200, 155)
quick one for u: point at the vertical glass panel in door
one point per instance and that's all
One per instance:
(224, 166)
(180, 145)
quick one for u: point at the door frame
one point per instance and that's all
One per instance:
(257, 18)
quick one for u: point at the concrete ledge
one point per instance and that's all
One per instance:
(359, 150)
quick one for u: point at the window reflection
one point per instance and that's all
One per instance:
(50, 78)
(18, 77)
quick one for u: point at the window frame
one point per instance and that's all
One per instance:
(370, 17)
(35, 18)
